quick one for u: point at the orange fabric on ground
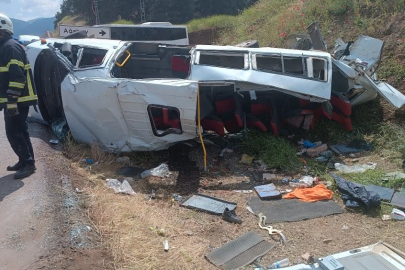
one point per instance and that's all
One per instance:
(317, 193)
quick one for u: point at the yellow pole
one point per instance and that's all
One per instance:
(199, 127)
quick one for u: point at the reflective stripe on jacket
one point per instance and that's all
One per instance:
(15, 75)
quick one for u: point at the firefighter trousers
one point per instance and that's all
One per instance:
(18, 136)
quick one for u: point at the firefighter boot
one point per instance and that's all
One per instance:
(14, 168)
(25, 171)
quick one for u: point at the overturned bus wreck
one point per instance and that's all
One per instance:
(136, 96)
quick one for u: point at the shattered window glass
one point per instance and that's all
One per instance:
(164, 120)
(269, 63)
(293, 65)
(220, 59)
(92, 57)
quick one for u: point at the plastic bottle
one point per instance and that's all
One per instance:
(280, 264)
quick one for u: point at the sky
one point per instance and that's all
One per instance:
(29, 9)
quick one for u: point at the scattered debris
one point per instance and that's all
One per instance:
(79, 191)
(250, 209)
(268, 192)
(385, 194)
(244, 191)
(177, 197)
(240, 252)
(308, 258)
(355, 146)
(151, 195)
(123, 160)
(325, 156)
(269, 177)
(166, 245)
(317, 150)
(188, 233)
(230, 216)
(330, 263)
(89, 161)
(225, 150)
(60, 128)
(54, 141)
(398, 200)
(208, 204)
(354, 169)
(161, 232)
(124, 187)
(345, 227)
(161, 171)
(314, 194)
(304, 182)
(394, 176)
(245, 159)
(327, 241)
(355, 195)
(278, 211)
(262, 225)
(386, 217)
(397, 214)
(280, 264)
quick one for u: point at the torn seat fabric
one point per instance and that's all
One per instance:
(355, 195)
(317, 193)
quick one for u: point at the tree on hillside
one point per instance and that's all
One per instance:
(175, 11)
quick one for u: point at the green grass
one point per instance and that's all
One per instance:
(392, 68)
(216, 22)
(271, 21)
(122, 22)
(276, 152)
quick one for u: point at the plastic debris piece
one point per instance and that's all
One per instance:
(250, 210)
(280, 264)
(60, 129)
(89, 161)
(166, 245)
(124, 188)
(397, 214)
(160, 171)
(304, 182)
(361, 168)
(317, 150)
(244, 191)
(245, 159)
(54, 141)
(177, 197)
(308, 144)
(225, 150)
(325, 156)
(386, 217)
(269, 176)
(285, 181)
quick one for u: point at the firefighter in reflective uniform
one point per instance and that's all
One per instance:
(17, 94)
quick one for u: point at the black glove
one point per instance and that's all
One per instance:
(12, 107)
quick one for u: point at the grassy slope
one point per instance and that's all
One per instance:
(271, 21)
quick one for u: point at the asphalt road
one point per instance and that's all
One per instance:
(26, 210)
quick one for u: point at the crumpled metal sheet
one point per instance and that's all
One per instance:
(114, 111)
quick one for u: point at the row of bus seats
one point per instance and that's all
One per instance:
(274, 112)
